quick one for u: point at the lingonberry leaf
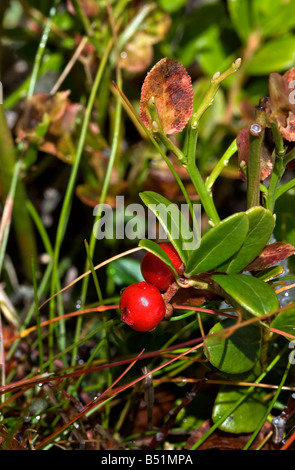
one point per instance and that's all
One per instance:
(246, 417)
(219, 244)
(261, 224)
(285, 321)
(268, 273)
(169, 85)
(251, 295)
(275, 54)
(240, 13)
(236, 354)
(172, 220)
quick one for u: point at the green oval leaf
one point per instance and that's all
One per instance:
(246, 417)
(240, 13)
(172, 220)
(154, 248)
(274, 17)
(277, 54)
(269, 273)
(253, 295)
(124, 271)
(261, 225)
(285, 321)
(219, 244)
(285, 222)
(236, 354)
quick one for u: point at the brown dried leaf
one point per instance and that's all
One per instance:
(61, 134)
(160, 179)
(137, 55)
(266, 158)
(191, 296)
(290, 75)
(90, 195)
(170, 85)
(226, 441)
(90, 7)
(282, 108)
(271, 255)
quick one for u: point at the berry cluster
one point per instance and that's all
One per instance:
(142, 305)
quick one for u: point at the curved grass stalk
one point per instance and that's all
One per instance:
(106, 183)
(41, 49)
(7, 213)
(65, 211)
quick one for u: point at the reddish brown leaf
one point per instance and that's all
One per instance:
(282, 107)
(170, 85)
(138, 53)
(90, 7)
(60, 136)
(266, 159)
(191, 296)
(220, 440)
(290, 75)
(90, 195)
(160, 179)
(271, 255)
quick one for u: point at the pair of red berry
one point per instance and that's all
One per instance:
(142, 306)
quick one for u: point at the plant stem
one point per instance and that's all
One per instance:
(41, 290)
(253, 170)
(284, 188)
(289, 157)
(196, 178)
(275, 179)
(214, 86)
(204, 190)
(41, 49)
(40, 342)
(83, 17)
(7, 213)
(221, 164)
(205, 196)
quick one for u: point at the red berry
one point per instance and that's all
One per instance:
(156, 272)
(142, 306)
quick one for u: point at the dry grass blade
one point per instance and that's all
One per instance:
(100, 265)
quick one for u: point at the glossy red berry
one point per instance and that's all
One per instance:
(142, 306)
(156, 272)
